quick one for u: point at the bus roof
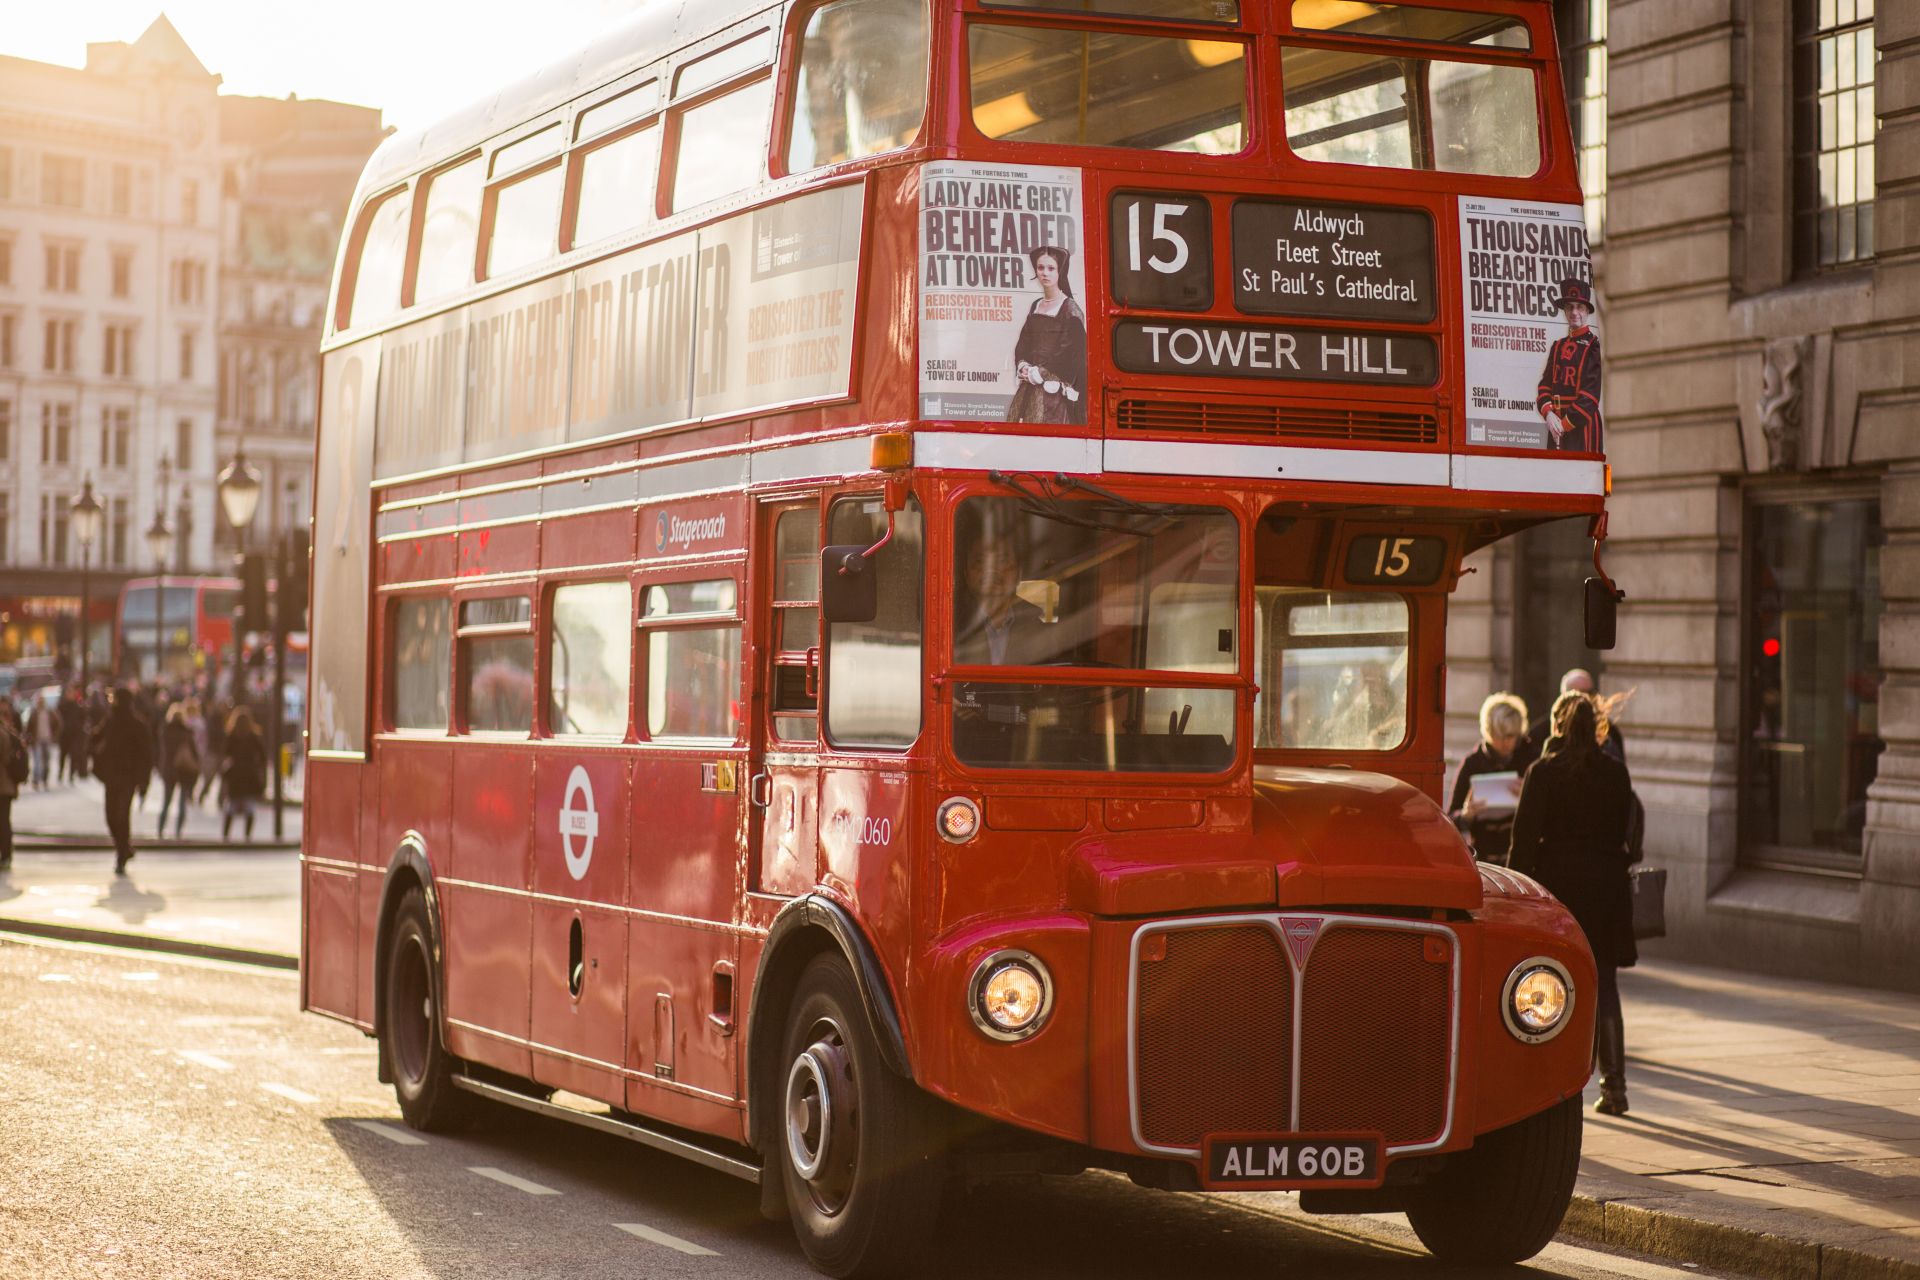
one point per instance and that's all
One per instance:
(660, 27)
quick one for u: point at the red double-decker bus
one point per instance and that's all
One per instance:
(879, 591)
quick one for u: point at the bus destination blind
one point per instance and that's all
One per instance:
(1283, 352)
(1349, 262)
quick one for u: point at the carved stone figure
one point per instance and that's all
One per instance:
(1781, 421)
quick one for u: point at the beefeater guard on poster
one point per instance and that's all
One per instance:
(1569, 396)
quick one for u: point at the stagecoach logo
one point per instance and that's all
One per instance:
(1300, 934)
(671, 531)
(583, 822)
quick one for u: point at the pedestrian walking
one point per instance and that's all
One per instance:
(1503, 749)
(122, 750)
(1570, 834)
(243, 773)
(1612, 741)
(13, 772)
(43, 734)
(73, 734)
(179, 767)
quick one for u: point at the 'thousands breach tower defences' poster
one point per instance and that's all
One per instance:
(1003, 329)
(1516, 258)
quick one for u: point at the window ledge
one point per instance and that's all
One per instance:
(1788, 896)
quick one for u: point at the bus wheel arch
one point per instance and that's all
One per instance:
(408, 869)
(806, 928)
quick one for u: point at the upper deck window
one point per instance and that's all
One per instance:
(525, 219)
(861, 88)
(1221, 11)
(449, 229)
(1409, 22)
(382, 257)
(724, 64)
(722, 144)
(1102, 89)
(1393, 111)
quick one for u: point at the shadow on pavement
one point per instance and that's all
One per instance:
(126, 899)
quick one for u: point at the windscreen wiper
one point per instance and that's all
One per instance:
(1046, 502)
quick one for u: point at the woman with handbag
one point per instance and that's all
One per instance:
(243, 772)
(13, 771)
(1570, 834)
(179, 766)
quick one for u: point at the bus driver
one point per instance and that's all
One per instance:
(993, 626)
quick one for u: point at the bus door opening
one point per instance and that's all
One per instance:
(783, 787)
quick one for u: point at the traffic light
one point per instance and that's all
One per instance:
(290, 593)
(253, 593)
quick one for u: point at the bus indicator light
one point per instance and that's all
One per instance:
(892, 451)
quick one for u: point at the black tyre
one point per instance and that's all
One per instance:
(857, 1145)
(422, 1069)
(1502, 1201)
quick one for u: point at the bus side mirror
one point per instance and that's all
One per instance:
(849, 585)
(1602, 613)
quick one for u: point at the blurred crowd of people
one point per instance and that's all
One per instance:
(198, 746)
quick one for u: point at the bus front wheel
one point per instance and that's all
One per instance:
(858, 1150)
(1501, 1201)
(422, 1068)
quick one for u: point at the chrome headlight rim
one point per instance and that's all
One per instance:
(1535, 964)
(983, 973)
(940, 819)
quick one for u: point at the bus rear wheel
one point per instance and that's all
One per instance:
(1501, 1201)
(857, 1143)
(423, 1070)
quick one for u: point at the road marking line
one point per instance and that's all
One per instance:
(518, 1184)
(288, 1092)
(392, 1134)
(205, 1059)
(56, 977)
(646, 1232)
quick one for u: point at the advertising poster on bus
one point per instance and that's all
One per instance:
(1533, 353)
(1003, 331)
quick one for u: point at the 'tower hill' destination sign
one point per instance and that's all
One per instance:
(1349, 261)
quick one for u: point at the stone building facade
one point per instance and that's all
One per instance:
(1757, 256)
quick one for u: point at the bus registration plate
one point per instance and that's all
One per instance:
(1323, 1160)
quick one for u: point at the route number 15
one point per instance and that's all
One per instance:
(1401, 560)
(1161, 250)
(1163, 213)
(1396, 564)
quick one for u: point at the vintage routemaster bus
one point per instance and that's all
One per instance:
(880, 583)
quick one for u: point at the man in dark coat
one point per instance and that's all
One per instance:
(993, 626)
(122, 751)
(1570, 834)
(1569, 394)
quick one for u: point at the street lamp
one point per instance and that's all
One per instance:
(160, 546)
(85, 514)
(239, 486)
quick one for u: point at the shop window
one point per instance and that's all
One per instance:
(420, 663)
(589, 659)
(873, 668)
(693, 660)
(496, 662)
(1810, 687)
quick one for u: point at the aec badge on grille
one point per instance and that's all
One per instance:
(1324, 1160)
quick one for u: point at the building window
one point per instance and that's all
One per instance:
(6, 436)
(189, 282)
(122, 272)
(53, 528)
(7, 326)
(116, 430)
(1811, 681)
(6, 193)
(1584, 56)
(63, 181)
(6, 261)
(123, 189)
(116, 351)
(61, 337)
(186, 355)
(1834, 126)
(56, 433)
(63, 268)
(189, 202)
(117, 534)
(6, 524)
(183, 444)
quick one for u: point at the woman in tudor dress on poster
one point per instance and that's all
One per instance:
(1050, 359)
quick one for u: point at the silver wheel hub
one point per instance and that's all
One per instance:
(810, 1110)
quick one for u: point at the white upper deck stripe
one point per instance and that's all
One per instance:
(1277, 462)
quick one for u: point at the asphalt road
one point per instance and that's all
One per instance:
(162, 1117)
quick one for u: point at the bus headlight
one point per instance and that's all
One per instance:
(1010, 995)
(1537, 1000)
(958, 820)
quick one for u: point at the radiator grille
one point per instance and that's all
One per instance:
(1215, 1036)
(1368, 1062)
(1276, 421)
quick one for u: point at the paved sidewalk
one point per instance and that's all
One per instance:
(1775, 1128)
(71, 812)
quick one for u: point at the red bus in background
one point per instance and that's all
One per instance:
(196, 624)
(880, 577)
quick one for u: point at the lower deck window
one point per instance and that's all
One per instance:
(693, 683)
(1332, 669)
(421, 663)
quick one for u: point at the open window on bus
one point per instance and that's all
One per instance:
(449, 234)
(1331, 669)
(1084, 87)
(723, 102)
(589, 659)
(616, 158)
(793, 697)
(521, 220)
(692, 656)
(1136, 603)
(1398, 110)
(419, 663)
(859, 82)
(873, 674)
(376, 261)
(496, 664)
